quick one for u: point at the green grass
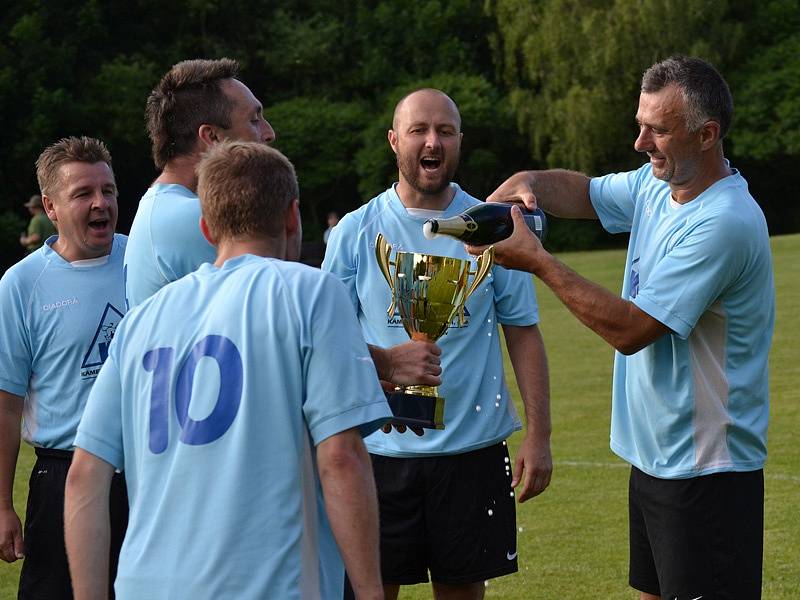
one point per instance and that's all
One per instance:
(573, 540)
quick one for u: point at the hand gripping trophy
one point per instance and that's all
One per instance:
(429, 292)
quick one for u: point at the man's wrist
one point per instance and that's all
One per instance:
(382, 362)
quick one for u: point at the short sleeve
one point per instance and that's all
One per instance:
(691, 276)
(16, 358)
(100, 429)
(340, 255)
(514, 297)
(614, 198)
(341, 385)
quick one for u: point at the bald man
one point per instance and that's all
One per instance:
(447, 498)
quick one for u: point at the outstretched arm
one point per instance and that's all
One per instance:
(87, 529)
(533, 465)
(559, 192)
(351, 502)
(618, 321)
(11, 547)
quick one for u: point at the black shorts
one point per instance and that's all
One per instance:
(698, 537)
(451, 515)
(45, 573)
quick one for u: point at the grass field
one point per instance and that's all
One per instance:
(573, 538)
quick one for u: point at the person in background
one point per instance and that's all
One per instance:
(333, 219)
(692, 331)
(39, 227)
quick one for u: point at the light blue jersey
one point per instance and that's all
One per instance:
(165, 241)
(478, 409)
(56, 322)
(695, 401)
(215, 393)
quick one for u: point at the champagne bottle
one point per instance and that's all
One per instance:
(485, 223)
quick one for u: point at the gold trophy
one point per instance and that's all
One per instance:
(429, 292)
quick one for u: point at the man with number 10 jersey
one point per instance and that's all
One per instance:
(235, 400)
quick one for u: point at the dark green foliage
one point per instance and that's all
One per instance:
(548, 83)
(11, 226)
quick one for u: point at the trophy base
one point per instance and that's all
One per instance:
(416, 410)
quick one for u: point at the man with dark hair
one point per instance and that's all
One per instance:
(195, 105)
(59, 308)
(39, 228)
(692, 331)
(447, 497)
(245, 469)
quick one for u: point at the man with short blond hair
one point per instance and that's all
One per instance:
(60, 308)
(246, 470)
(197, 104)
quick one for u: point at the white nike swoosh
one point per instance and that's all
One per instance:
(510, 556)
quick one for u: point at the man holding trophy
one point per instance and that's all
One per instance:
(447, 497)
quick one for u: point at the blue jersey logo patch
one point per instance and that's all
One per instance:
(98, 349)
(634, 283)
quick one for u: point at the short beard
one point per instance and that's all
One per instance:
(410, 171)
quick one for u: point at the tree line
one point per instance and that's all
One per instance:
(547, 83)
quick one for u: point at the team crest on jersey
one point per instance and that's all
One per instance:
(396, 321)
(634, 282)
(98, 349)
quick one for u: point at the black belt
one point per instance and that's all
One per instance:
(53, 453)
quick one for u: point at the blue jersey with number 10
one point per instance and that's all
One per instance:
(215, 393)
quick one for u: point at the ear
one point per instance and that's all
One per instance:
(49, 208)
(207, 232)
(207, 135)
(292, 218)
(392, 140)
(709, 135)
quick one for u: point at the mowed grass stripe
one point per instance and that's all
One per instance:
(572, 540)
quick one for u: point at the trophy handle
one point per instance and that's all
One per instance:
(485, 262)
(382, 252)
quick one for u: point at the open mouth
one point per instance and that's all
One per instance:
(430, 164)
(98, 224)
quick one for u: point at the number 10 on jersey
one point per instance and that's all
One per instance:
(160, 362)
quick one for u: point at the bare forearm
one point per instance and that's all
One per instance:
(563, 193)
(557, 191)
(11, 544)
(620, 322)
(87, 526)
(9, 452)
(533, 464)
(529, 360)
(351, 503)
(10, 419)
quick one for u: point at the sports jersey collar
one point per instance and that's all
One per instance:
(457, 204)
(173, 188)
(52, 255)
(233, 263)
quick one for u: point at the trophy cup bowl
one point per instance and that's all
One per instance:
(428, 291)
